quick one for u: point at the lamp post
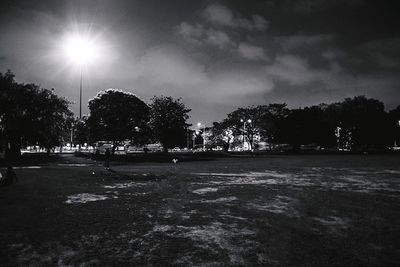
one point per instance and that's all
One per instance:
(204, 134)
(244, 129)
(80, 94)
(80, 50)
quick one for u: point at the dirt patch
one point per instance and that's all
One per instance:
(231, 212)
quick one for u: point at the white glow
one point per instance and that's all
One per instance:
(79, 49)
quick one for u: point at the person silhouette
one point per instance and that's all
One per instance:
(107, 158)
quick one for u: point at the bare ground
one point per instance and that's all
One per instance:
(273, 211)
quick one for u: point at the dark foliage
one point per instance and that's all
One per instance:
(357, 123)
(117, 116)
(81, 131)
(168, 118)
(30, 115)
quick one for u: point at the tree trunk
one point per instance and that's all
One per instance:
(226, 147)
(250, 137)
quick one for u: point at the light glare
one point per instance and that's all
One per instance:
(79, 49)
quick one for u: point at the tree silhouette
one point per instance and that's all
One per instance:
(245, 122)
(357, 123)
(222, 135)
(270, 122)
(367, 121)
(394, 125)
(117, 116)
(30, 115)
(168, 118)
(81, 131)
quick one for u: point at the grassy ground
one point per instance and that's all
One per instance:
(273, 211)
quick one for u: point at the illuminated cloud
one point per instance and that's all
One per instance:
(215, 56)
(295, 70)
(191, 33)
(168, 65)
(251, 52)
(223, 16)
(198, 35)
(217, 38)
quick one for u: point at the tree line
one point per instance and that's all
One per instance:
(357, 124)
(118, 116)
(30, 115)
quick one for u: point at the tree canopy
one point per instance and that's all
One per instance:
(30, 115)
(116, 116)
(222, 135)
(81, 131)
(168, 118)
(367, 121)
(357, 123)
(263, 122)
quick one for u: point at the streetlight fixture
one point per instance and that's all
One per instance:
(79, 50)
(199, 124)
(244, 128)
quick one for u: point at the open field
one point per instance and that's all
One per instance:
(271, 211)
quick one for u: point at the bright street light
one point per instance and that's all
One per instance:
(80, 50)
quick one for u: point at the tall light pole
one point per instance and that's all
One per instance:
(204, 134)
(244, 129)
(80, 50)
(80, 94)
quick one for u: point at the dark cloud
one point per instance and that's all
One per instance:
(223, 16)
(251, 52)
(216, 55)
(197, 34)
(384, 52)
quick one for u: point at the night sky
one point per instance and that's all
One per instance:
(215, 55)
